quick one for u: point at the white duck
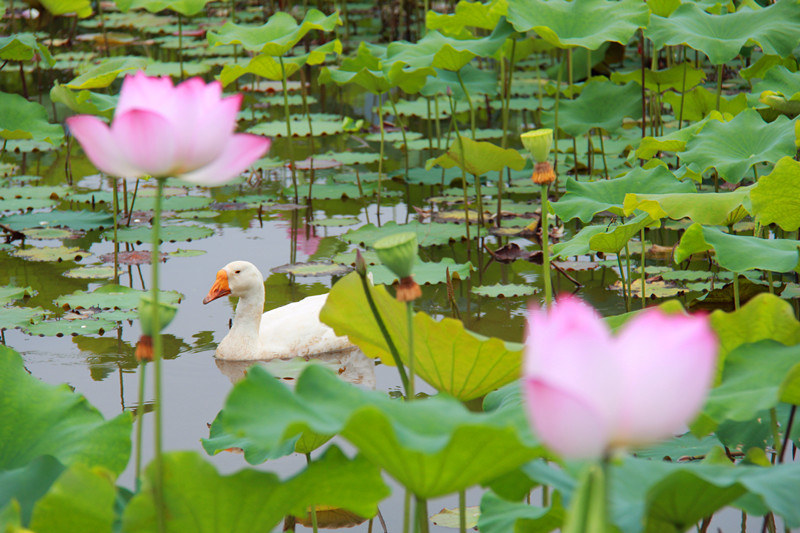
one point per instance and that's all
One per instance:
(289, 331)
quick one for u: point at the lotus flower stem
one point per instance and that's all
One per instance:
(603, 151)
(314, 525)
(548, 290)
(719, 83)
(429, 123)
(462, 511)
(411, 379)
(683, 90)
(157, 356)
(407, 512)
(380, 160)
(786, 433)
(643, 266)
(116, 226)
(736, 290)
(422, 514)
(180, 43)
(463, 175)
(628, 277)
(559, 77)
(139, 416)
(643, 48)
(438, 124)
(403, 133)
(469, 101)
(625, 294)
(289, 128)
(310, 130)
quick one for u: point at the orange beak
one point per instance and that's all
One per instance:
(219, 289)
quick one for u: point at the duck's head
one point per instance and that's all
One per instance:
(238, 278)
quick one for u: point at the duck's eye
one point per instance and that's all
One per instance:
(238, 271)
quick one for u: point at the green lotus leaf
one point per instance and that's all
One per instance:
(427, 234)
(451, 517)
(112, 297)
(187, 8)
(299, 128)
(436, 50)
(719, 209)
(266, 66)
(616, 237)
(675, 141)
(335, 191)
(504, 290)
(173, 68)
(478, 157)
(478, 82)
(59, 328)
(28, 484)
(279, 35)
(585, 199)
(447, 356)
(450, 447)
(104, 74)
(579, 243)
(663, 8)
(677, 78)
(22, 119)
(776, 196)
(466, 14)
(252, 500)
(45, 234)
(733, 147)
(76, 220)
(174, 201)
(353, 158)
(23, 47)
(312, 269)
(779, 80)
(58, 423)
(20, 317)
(425, 272)
(760, 67)
(721, 37)
(699, 102)
(83, 8)
(9, 293)
(142, 234)
(52, 253)
(24, 204)
(84, 102)
(781, 104)
(500, 516)
(738, 253)
(585, 23)
(602, 104)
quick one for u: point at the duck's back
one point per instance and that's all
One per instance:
(295, 330)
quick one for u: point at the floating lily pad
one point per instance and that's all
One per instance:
(20, 317)
(425, 272)
(504, 291)
(112, 297)
(11, 293)
(168, 233)
(45, 234)
(91, 272)
(312, 269)
(452, 517)
(132, 257)
(427, 234)
(59, 328)
(52, 253)
(79, 220)
(299, 128)
(337, 222)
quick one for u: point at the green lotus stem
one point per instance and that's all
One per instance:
(622, 279)
(380, 161)
(588, 64)
(158, 486)
(438, 125)
(786, 433)
(411, 370)
(628, 277)
(736, 290)
(603, 151)
(407, 512)
(463, 174)
(559, 77)
(719, 84)
(469, 101)
(776, 434)
(382, 326)
(116, 226)
(102, 17)
(497, 221)
(314, 525)
(429, 124)
(548, 290)
(403, 133)
(643, 266)
(180, 43)
(139, 416)
(642, 46)
(462, 511)
(422, 514)
(508, 79)
(289, 129)
(683, 90)
(310, 130)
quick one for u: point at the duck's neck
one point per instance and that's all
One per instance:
(247, 320)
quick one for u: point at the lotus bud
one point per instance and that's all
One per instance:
(398, 252)
(166, 313)
(144, 348)
(538, 143)
(361, 264)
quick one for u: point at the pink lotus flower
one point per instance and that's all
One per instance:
(589, 391)
(160, 130)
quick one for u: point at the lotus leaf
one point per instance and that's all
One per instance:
(23, 47)
(19, 317)
(10, 293)
(252, 500)
(760, 67)
(28, 484)
(699, 102)
(478, 82)
(602, 104)
(168, 233)
(478, 158)
(22, 119)
(78, 220)
(451, 517)
(59, 423)
(427, 234)
(279, 35)
(586, 23)
(451, 448)
(83, 8)
(733, 147)
(425, 273)
(106, 72)
(448, 357)
(500, 516)
(677, 78)
(466, 14)
(721, 37)
(579, 243)
(266, 66)
(504, 291)
(112, 297)
(52, 253)
(675, 141)
(776, 196)
(663, 8)
(312, 269)
(436, 50)
(299, 128)
(720, 209)
(173, 69)
(738, 253)
(187, 8)
(615, 240)
(780, 80)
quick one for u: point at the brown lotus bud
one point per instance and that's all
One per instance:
(408, 290)
(144, 348)
(543, 173)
